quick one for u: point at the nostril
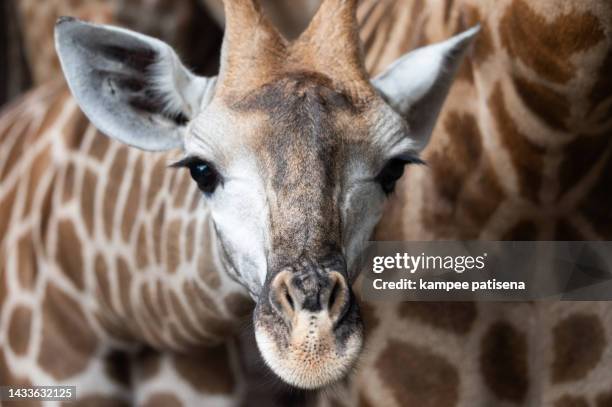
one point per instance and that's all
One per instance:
(338, 301)
(289, 299)
(281, 297)
(334, 295)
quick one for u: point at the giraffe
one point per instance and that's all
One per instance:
(521, 152)
(113, 245)
(507, 383)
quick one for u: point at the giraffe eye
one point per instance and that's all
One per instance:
(202, 172)
(393, 171)
(204, 175)
(389, 175)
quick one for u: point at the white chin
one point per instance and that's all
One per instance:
(308, 369)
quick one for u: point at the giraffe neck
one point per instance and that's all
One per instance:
(112, 238)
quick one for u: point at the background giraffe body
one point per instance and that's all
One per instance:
(72, 291)
(416, 360)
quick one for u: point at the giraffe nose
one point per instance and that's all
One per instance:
(293, 293)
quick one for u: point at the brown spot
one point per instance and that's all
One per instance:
(238, 304)
(162, 400)
(74, 129)
(526, 156)
(547, 47)
(196, 199)
(571, 401)
(124, 277)
(26, 262)
(99, 146)
(190, 240)
(158, 224)
(38, 168)
(448, 7)
(466, 71)
(156, 181)
(103, 284)
(132, 204)
(209, 275)
(142, 248)
(417, 377)
(483, 46)
(16, 151)
(64, 354)
(148, 364)
(208, 370)
(604, 399)
(457, 317)
(69, 183)
(111, 193)
(161, 298)
(181, 192)
(56, 103)
(45, 210)
(546, 103)
(503, 362)
(97, 401)
(578, 343)
(117, 368)
(6, 209)
(69, 252)
(173, 250)
(19, 329)
(524, 230)
(88, 196)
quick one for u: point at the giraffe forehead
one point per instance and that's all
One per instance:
(299, 122)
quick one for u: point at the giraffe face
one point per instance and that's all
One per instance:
(301, 172)
(294, 148)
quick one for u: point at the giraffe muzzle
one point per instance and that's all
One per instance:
(307, 326)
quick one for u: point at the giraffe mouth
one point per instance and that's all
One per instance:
(312, 356)
(310, 337)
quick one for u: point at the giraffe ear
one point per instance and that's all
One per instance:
(416, 84)
(132, 87)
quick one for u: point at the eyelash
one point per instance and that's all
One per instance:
(393, 171)
(203, 173)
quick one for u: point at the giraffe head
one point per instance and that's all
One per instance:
(294, 148)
